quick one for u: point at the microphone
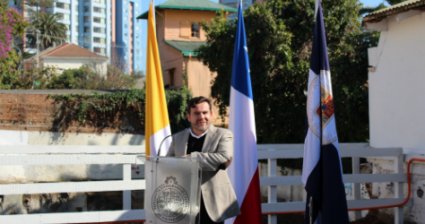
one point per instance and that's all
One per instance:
(160, 145)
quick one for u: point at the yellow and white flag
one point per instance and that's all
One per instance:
(157, 124)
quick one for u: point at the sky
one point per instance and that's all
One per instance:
(145, 7)
(371, 2)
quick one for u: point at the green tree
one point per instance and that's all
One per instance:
(12, 26)
(72, 79)
(51, 31)
(279, 36)
(86, 78)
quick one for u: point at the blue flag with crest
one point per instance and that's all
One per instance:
(322, 172)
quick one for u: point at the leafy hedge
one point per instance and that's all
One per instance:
(121, 110)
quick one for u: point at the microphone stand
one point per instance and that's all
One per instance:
(160, 145)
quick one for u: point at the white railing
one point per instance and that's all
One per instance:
(126, 156)
(273, 152)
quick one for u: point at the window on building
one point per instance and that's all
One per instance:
(196, 28)
(60, 16)
(171, 74)
(98, 30)
(99, 40)
(98, 20)
(98, 10)
(60, 5)
(99, 50)
(86, 29)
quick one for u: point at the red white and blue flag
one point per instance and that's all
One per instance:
(243, 170)
(322, 172)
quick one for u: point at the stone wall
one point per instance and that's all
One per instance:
(25, 111)
(34, 110)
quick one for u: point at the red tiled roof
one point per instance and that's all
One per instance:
(394, 9)
(70, 50)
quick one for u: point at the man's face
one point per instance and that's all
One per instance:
(199, 117)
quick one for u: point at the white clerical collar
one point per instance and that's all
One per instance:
(197, 136)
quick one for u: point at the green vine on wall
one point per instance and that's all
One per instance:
(122, 111)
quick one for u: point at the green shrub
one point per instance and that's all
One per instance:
(122, 110)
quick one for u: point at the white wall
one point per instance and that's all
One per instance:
(9, 137)
(99, 67)
(397, 83)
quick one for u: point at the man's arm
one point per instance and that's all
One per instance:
(221, 157)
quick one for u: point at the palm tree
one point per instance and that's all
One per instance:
(51, 31)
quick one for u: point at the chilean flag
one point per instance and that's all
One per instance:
(322, 173)
(243, 170)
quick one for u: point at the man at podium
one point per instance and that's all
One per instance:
(213, 148)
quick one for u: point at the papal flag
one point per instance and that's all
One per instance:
(322, 172)
(243, 170)
(157, 125)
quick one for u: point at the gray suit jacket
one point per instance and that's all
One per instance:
(216, 188)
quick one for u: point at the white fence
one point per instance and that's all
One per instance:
(272, 153)
(129, 155)
(73, 155)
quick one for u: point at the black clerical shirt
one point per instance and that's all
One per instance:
(195, 144)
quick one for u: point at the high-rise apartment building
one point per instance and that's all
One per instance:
(127, 34)
(94, 31)
(106, 27)
(68, 14)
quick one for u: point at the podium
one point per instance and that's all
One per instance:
(172, 193)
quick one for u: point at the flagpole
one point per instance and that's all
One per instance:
(315, 9)
(310, 213)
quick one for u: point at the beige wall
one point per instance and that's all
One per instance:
(172, 58)
(199, 77)
(63, 64)
(176, 25)
(396, 82)
(172, 25)
(177, 21)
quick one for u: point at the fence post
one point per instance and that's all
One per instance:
(272, 189)
(126, 195)
(355, 162)
(398, 191)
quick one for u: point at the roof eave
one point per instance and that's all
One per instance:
(381, 14)
(145, 15)
(185, 53)
(96, 58)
